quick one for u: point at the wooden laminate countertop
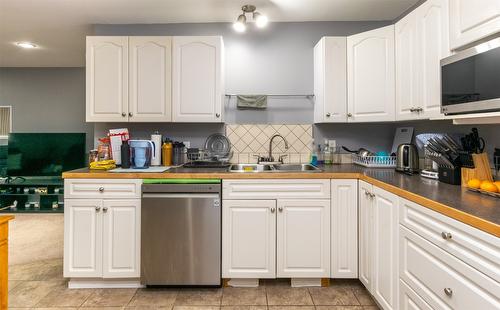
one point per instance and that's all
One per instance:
(5, 218)
(478, 210)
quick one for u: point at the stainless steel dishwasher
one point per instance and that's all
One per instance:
(181, 233)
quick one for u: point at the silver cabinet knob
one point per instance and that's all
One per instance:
(367, 193)
(420, 109)
(272, 210)
(446, 235)
(349, 114)
(328, 114)
(130, 114)
(105, 209)
(124, 114)
(98, 209)
(217, 115)
(412, 109)
(448, 291)
(280, 209)
(101, 189)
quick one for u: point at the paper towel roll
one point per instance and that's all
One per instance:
(156, 139)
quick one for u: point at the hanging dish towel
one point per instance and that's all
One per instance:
(251, 102)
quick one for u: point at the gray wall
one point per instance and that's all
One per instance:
(46, 99)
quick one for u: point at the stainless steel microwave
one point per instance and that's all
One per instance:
(470, 80)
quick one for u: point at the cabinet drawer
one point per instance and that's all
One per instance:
(275, 189)
(442, 280)
(96, 188)
(475, 247)
(409, 300)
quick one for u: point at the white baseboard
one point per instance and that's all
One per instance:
(104, 283)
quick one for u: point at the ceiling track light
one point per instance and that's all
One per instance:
(241, 22)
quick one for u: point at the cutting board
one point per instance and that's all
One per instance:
(148, 170)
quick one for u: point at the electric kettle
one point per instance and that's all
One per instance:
(407, 158)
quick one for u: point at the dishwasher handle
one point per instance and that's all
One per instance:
(181, 195)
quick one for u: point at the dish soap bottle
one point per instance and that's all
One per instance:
(166, 153)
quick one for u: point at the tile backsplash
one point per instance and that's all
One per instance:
(253, 139)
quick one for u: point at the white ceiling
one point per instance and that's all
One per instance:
(59, 27)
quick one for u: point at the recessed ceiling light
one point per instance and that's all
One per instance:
(26, 45)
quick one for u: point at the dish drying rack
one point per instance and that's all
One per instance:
(202, 155)
(374, 161)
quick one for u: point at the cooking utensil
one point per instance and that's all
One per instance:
(361, 151)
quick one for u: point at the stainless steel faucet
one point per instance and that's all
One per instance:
(270, 157)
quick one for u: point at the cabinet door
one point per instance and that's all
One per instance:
(344, 229)
(330, 80)
(303, 238)
(150, 79)
(121, 238)
(385, 245)
(82, 238)
(370, 76)
(107, 79)
(407, 68)
(365, 224)
(249, 238)
(473, 20)
(433, 45)
(197, 79)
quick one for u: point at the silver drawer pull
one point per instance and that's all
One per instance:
(448, 291)
(101, 189)
(98, 209)
(446, 235)
(372, 195)
(367, 193)
(105, 209)
(272, 210)
(280, 209)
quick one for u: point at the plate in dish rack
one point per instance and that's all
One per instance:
(218, 145)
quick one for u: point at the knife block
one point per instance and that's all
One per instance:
(481, 170)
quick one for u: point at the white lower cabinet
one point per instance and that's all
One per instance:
(409, 300)
(378, 242)
(303, 238)
(442, 280)
(344, 229)
(249, 239)
(269, 236)
(102, 238)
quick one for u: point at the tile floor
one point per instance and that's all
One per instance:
(41, 286)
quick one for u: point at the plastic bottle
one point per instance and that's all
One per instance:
(166, 153)
(327, 154)
(125, 154)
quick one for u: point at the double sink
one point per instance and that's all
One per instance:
(256, 168)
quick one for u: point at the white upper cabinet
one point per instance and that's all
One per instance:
(303, 238)
(370, 76)
(472, 20)
(407, 67)
(150, 79)
(330, 80)
(344, 229)
(197, 79)
(421, 42)
(107, 79)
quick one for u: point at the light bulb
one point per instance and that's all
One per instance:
(26, 45)
(240, 24)
(260, 20)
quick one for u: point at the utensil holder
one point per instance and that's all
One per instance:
(449, 175)
(481, 170)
